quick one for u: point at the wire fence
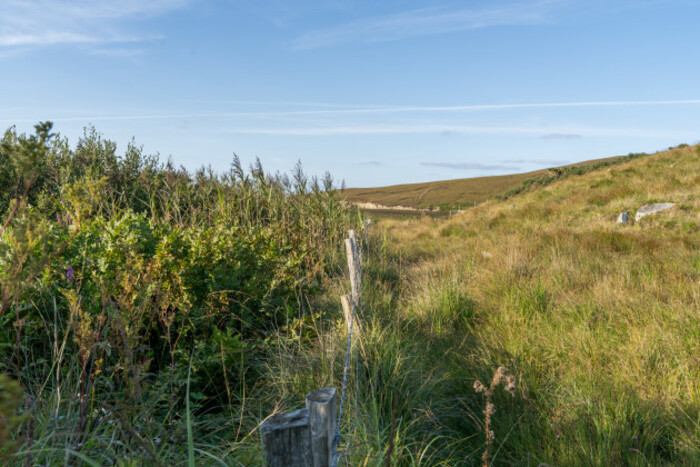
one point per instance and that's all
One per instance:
(354, 250)
(312, 436)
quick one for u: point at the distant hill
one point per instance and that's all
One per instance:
(451, 194)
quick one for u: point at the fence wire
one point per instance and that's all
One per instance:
(356, 303)
(338, 436)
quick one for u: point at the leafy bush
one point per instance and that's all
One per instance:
(119, 273)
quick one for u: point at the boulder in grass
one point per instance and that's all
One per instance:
(624, 218)
(648, 209)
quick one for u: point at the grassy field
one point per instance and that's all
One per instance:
(450, 194)
(598, 322)
(162, 321)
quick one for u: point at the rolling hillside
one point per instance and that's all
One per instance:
(597, 321)
(451, 193)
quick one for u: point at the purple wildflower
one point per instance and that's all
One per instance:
(69, 273)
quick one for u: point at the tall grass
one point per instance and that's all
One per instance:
(598, 322)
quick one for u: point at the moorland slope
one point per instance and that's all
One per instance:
(464, 192)
(598, 322)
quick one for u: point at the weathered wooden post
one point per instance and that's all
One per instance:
(322, 405)
(286, 440)
(352, 253)
(307, 437)
(349, 315)
(303, 438)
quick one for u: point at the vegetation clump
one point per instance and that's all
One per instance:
(119, 274)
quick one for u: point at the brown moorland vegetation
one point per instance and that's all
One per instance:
(598, 321)
(450, 194)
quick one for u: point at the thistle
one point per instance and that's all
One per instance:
(502, 377)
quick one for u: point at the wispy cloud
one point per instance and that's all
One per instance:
(441, 129)
(117, 52)
(378, 109)
(351, 110)
(424, 22)
(380, 129)
(33, 23)
(561, 136)
(371, 163)
(469, 166)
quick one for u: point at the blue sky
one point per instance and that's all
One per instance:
(377, 93)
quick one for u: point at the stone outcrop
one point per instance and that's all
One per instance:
(649, 209)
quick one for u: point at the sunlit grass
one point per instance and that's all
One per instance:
(598, 321)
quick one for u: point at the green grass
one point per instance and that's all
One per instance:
(139, 303)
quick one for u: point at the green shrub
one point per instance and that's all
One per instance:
(119, 273)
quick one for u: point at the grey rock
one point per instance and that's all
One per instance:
(648, 209)
(624, 218)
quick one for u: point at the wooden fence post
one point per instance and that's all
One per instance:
(351, 251)
(303, 438)
(323, 418)
(286, 440)
(349, 314)
(306, 437)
